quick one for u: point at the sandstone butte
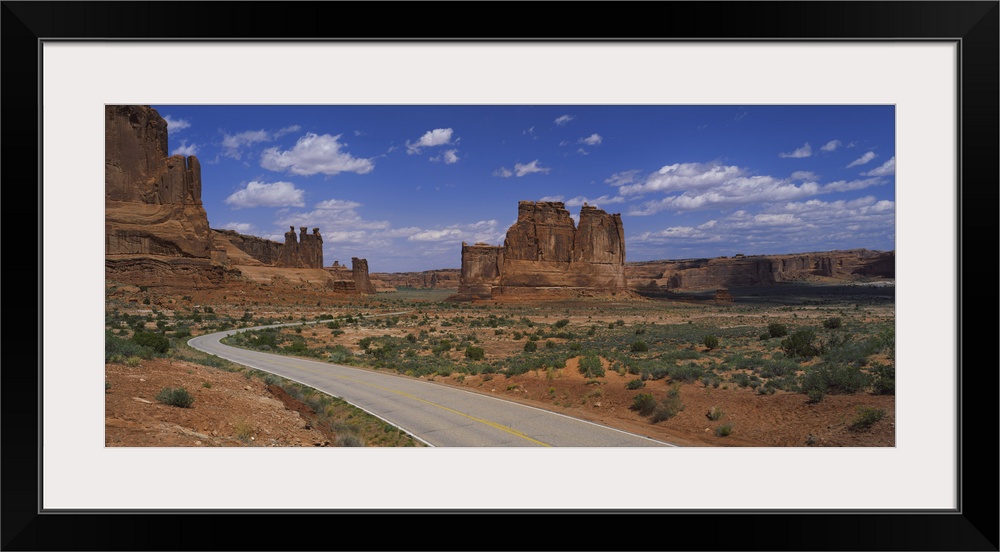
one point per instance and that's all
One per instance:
(546, 253)
(157, 231)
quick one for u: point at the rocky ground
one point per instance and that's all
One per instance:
(231, 409)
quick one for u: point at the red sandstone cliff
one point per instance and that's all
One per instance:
(544, 249)
(156, 230)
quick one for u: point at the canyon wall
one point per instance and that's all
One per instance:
(760, 270)
(545, 249)
(156, 229)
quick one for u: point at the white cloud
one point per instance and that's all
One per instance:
(233, 144)
(287, 130)
(596, 202)
(480, 231)
(261, 194)
(563, 119)
(887, 169)
(241, 227)
(176, 125)
(436, 137)
(832, 145)
(552, 198)
(521, 169)
(862, 160)
(622, 178)
(503, 172)
(338, 205)
(804, 175)
(582, 151)
(734, 192)
(811, 225)
(185, 149)
(804, 151)
(844, 185)
(315, 154)
(449, 157)
(592, 140)
(682, 176)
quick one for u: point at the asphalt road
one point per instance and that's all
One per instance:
(437, 415)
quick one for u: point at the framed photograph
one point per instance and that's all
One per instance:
(934, 63)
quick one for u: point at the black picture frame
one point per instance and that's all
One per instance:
(973, 525)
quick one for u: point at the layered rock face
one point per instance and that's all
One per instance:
(355, 280)
(445, 278)
(743, 271)
(304, 252)
(544, 249)
(152, 201)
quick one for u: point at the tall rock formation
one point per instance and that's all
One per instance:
(153, 209)
(304, 252)
(545, 249)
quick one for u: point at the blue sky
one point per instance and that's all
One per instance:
(405, 185)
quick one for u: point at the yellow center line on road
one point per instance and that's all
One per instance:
(494, 425)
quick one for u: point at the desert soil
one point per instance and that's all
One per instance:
(231, 409)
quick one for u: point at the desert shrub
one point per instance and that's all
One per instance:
(777, 329)
(740, 379)
(686, 373)
(639, 347)
(778, 367)
(441, 347)
(764, 336)
(643, 403)
(711, 342)
(339, 354)
(365, 342)
(550, 344)
(668, 407)
(714, 413)
(883, 379)
(590, 366)
(349, 440)
(866, 418)
(474, 353)
(561, 323)
(530, 346)
(801, 344)
(833, 323)
(834, 379)
(333, 325)
(636, 383)
(158, 343)
(175, 397)
(116, 349)
(592, 331)
(724, 430)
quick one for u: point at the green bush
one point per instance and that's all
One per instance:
(711, 342)
(116, 349)
(866, 418)
(883, 379)
(643, 403)
(561, 323)
(530, 346)
(590, 366)
(714, 413)
(639, 347)
(832, 323)
(801, 344)
(175, 397)
(158, 343)
(474, 353)
(724, 430)
(636, 383)
(668, 407)
(776, 329)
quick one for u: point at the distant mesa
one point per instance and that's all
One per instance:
(157, 231)
(544, 252)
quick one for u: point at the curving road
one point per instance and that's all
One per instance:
(436, 415)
